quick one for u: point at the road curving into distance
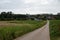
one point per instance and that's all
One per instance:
(38, 34)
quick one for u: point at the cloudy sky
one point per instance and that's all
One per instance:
(30, 6)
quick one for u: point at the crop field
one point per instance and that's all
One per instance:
(10, 30)
(55, 29)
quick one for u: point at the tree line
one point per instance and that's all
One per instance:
(11, 16)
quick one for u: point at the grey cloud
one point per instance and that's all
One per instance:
(33, 7)
(14, 4)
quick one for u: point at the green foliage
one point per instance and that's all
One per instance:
(12, 32)
(55, 29)
(6, 16)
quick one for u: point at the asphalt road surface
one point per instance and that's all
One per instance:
(39, 34)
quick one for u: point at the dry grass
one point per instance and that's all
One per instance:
(6, 23)
(12, 29)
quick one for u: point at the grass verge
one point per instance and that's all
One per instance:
(10, 30)
(55, 29)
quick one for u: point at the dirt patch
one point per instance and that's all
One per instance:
(5, 23)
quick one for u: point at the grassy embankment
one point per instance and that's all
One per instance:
(55, 29)
(10, 30)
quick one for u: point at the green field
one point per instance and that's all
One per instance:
(10, 30)
(55, 29)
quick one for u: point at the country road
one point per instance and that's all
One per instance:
(39, 34)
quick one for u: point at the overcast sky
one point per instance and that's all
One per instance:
(30, 6)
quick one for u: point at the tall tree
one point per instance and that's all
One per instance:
(3, 15)
(10, 15)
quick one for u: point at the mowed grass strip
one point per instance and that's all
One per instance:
(55, 29)
(10, 30)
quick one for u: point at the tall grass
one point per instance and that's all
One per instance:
(12, 32)
(55, 29)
